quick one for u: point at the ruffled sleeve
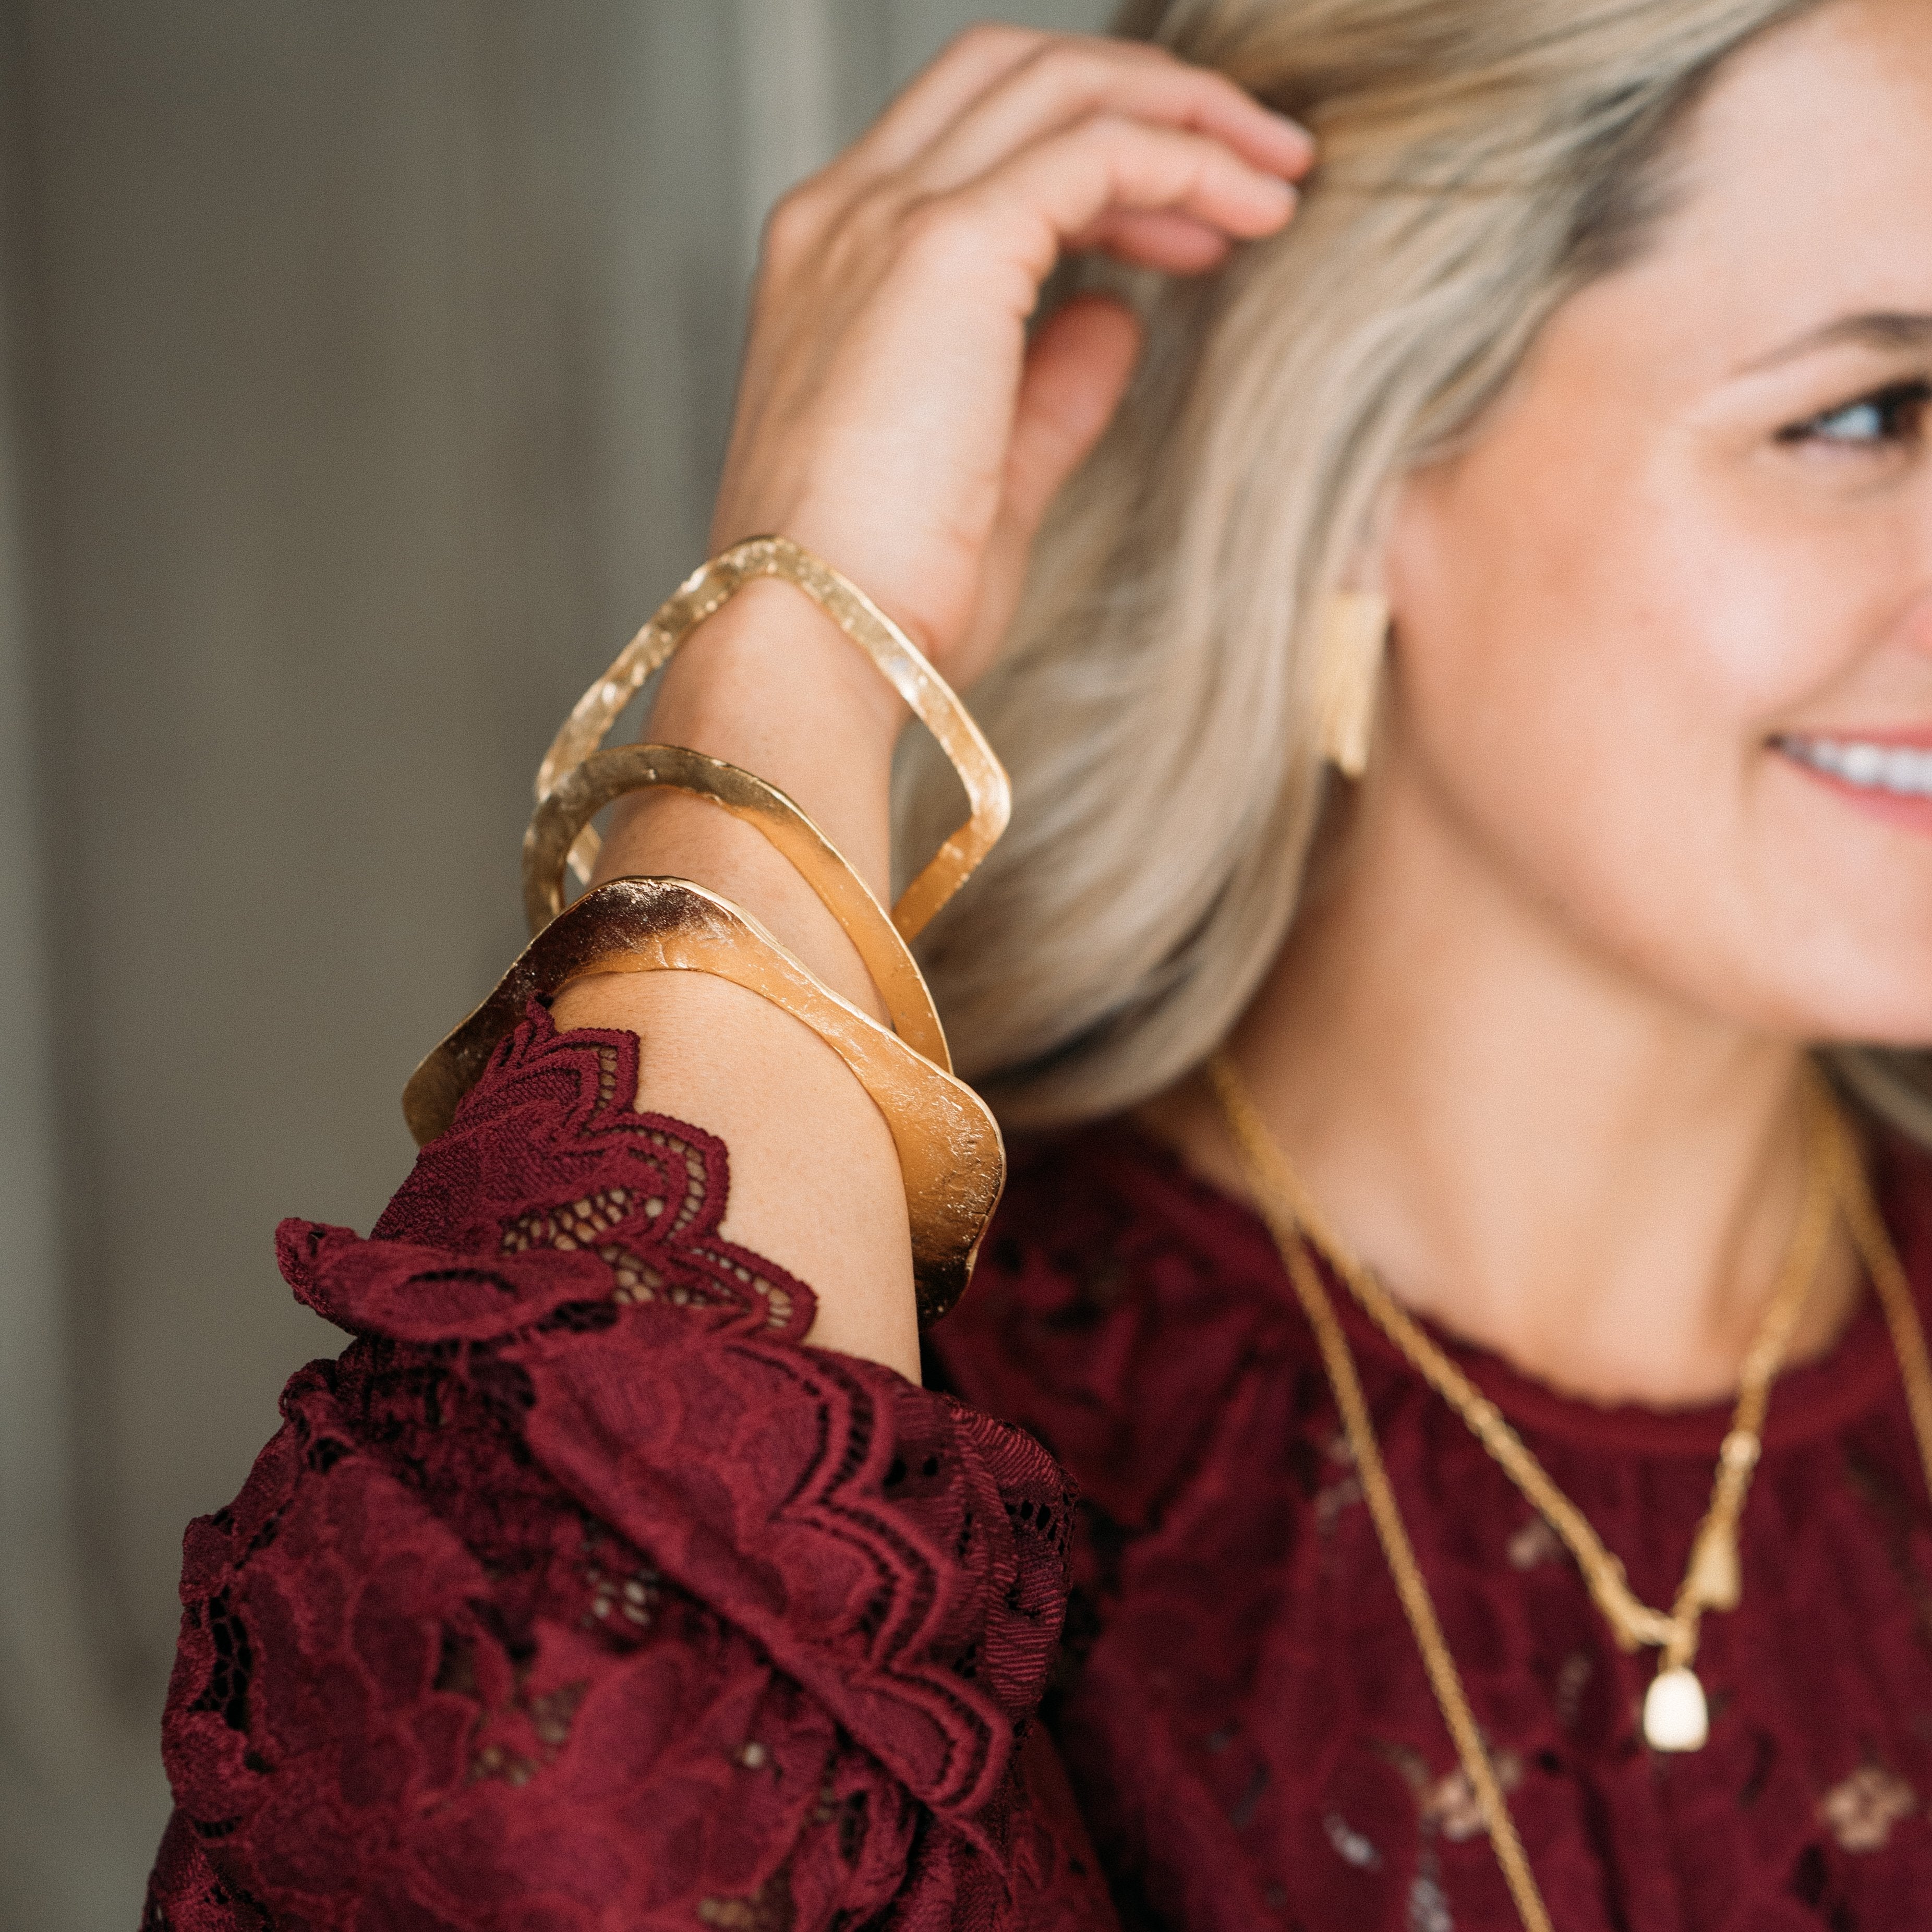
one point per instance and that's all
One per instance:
(578, 1593)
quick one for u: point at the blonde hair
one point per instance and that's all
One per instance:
(1480, 160)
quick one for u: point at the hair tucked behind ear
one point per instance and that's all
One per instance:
(1480, 160)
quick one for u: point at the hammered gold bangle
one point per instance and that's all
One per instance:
(581, 793)
(951, 1157)
(705, 592)
(949, 1150)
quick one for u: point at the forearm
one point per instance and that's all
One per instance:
(771, 685)
(899, 414)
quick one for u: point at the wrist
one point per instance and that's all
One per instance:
(770, 684)
(772, 668)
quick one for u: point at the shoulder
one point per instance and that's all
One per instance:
(1118, 1303)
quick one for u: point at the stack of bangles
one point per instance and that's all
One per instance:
(948, 1145)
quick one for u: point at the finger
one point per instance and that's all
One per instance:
(1170, 243)
(1077, 366)
(1064, 81)
(1063, 186)
(971, 63)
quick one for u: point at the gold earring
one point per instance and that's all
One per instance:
(1350, 640)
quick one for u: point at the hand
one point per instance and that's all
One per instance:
(893, 415)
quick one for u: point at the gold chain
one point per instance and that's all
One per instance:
(1262, 1159)
(1837, 1181)
(1710, 1580)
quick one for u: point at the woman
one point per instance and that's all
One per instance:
(1439, 1433)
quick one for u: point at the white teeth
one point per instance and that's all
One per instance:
(1893, 768)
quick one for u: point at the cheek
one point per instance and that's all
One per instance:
(1585, 680)
(1574, 613)
(1567, 677)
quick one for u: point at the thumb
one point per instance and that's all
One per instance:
(1078, 366)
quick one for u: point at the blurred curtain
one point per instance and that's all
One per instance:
(367, 364)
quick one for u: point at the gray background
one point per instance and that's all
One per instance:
(367, 364)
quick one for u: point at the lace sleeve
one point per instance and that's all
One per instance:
(577, 1594)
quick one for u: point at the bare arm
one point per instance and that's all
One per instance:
(894, 417)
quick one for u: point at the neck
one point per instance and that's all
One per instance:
(1530, 1144)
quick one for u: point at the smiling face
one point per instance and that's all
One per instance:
(1663, 666)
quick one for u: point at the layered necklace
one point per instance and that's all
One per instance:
(1675, 1710)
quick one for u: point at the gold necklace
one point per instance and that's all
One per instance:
(1676, 1715)
(1836, 1177)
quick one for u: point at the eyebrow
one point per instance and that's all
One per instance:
(1883, 329)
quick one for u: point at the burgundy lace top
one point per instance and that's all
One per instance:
(578, 1594)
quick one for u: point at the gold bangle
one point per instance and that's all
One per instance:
(584, 791)
(706, 591)
(948, 1145)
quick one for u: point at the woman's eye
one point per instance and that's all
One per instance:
(1893, 416)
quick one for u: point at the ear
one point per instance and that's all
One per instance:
(1365, 569)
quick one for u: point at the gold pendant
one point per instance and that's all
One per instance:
(1676, 1716)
